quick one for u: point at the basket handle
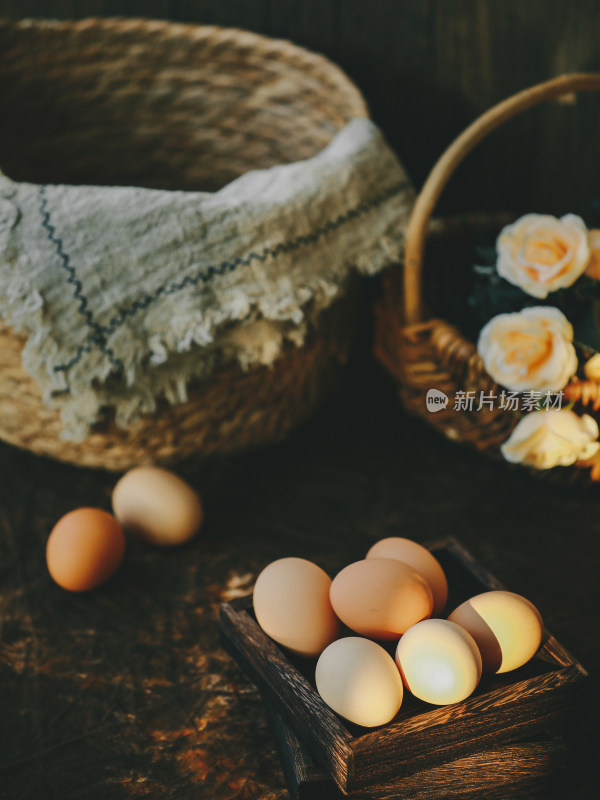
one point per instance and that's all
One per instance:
(452, 157)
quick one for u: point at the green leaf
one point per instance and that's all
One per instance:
(587, 326)
(486, 255)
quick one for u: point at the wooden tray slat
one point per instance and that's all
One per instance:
(268, 667)
(529, 770)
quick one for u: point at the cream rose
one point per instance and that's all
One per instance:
(593, 267)
(540, 253)
(592, 368)
(545, 439)
(530, 350)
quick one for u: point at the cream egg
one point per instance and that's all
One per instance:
(359, 681)
(157, 505)
(380, 597)
(292, 605)
(506, 626)
(439, 662)
(420, 559)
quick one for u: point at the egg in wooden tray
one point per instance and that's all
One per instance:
(449, 702)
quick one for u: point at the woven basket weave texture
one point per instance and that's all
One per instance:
(169, 106)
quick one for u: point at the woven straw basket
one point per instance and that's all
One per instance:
(106, 96)
(423, 352)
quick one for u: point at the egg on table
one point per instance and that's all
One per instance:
(358, 679)
(84, 549)
(292, 605)
(439, 662)
(157, 505)
(420, 559)
(506, 626)
(380, 597)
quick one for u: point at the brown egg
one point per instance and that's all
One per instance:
(506, 626)
(419, 558)
(291, 603)
(157, 505)
(380, 597)
(84, 548)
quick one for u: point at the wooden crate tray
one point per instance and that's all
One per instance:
(536, 769)
(542, 695)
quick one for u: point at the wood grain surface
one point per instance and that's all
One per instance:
(126, 692)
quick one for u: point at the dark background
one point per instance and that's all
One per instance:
(427, 69)
(125, 692)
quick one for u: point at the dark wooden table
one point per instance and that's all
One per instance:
(124, 692)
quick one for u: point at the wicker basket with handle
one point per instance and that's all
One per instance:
(422, 351)
(169, 106)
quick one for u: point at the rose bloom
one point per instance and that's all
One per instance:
(592, 368)
(540, 253)
(545, 439)
(593, 267)
(530, 350)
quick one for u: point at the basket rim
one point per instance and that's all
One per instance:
(453, 156)
(284, 50)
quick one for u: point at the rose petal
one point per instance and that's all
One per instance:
(546, 439)
(530, 350)
(540, 253)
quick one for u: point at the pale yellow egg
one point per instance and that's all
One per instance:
(439, 662)
(359, 681)
(157, 505)
(506, 626)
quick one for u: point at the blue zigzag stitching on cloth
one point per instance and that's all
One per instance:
(100, 333)
(98, 337)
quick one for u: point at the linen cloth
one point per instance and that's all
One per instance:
(127, 294)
